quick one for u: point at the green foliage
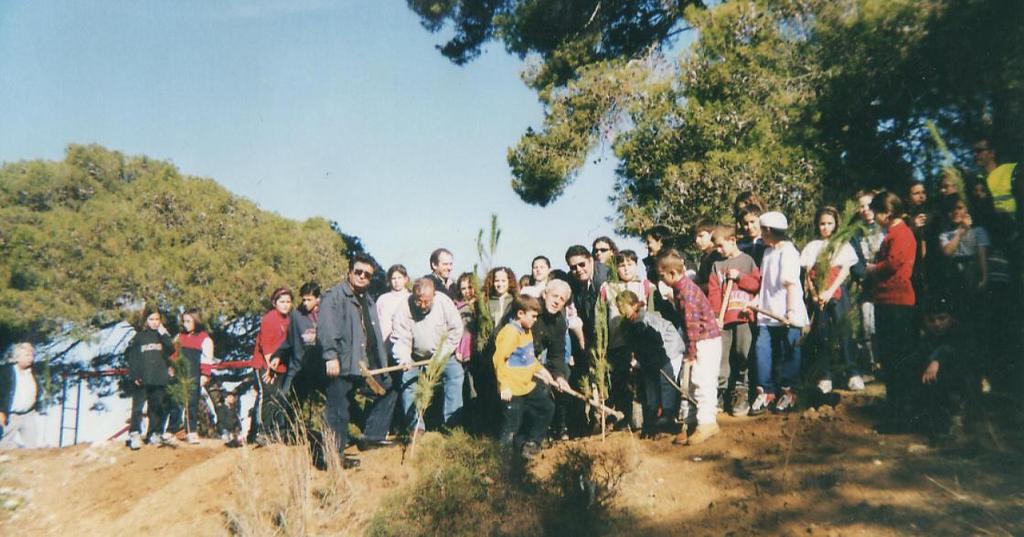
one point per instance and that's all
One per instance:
(804, 102)
(463, 487)
(180, 386)
(99, 233)
(485, 322)
(600, 370)
(565, 35)
(427, 380)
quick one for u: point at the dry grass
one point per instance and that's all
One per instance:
(289, 497)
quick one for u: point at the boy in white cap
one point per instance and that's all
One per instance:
(781, 296)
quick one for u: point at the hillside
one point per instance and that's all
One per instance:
(816, 473)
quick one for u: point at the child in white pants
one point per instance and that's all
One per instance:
(703, 349)
(702, 386)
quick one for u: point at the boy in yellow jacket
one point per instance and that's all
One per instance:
(515, 365)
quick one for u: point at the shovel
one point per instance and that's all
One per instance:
(606, 409)
(372, 383)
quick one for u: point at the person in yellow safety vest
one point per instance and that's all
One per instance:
(1000, 178)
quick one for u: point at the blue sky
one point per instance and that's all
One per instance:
(310, 108)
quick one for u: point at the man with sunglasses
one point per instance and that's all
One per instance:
(585, 284)
(349, 335)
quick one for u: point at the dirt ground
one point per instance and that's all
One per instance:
(811, 473)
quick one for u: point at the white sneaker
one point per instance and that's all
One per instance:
(856, 383)
(153, 439)
(762, 402)
(168, 439)
(786, 402)
(135, 441)
(825, 386)
(193, 438)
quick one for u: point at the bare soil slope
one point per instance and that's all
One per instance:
(814, 473)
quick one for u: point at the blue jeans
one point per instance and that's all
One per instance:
(776, 347)
(451, 378)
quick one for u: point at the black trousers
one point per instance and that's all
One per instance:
(340, 391)
(894, 327)
(535, 408)
(156, 398)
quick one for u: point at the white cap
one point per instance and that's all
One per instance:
(774, 220)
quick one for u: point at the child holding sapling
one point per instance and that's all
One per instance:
(659, 350)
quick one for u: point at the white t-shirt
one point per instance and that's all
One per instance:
(846, 256)
(24, 390)
(781, 265)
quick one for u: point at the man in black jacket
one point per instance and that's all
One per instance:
(349, 335)
(441, 264)
(20, 396)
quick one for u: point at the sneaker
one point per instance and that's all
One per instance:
(262, 440)
(135, 441)
(192, 438)
(856, 383)
(168, 439)
(530, 450)
(153, 440)
(825, 386)
(234, 441)
(786, 402)
(702, 433)
(739, 406)
(681, 438)
(762, 402)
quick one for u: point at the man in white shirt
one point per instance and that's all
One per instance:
(20, 393)
(428, 323)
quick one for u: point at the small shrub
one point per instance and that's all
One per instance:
(463, 486)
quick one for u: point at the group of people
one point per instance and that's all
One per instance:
(921, 292)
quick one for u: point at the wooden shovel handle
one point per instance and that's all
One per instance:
(392, 368)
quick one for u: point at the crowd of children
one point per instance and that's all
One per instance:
(920, 294)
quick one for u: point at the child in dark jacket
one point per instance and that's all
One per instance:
(939, 371)
(149, 372)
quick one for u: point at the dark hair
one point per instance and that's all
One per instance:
(624, 255)
(539, 258)
(310, 288)
(397, 268)
(749, 210)
(559, 274)
(705, 225)
(278, 293)
(466, 276)
(747, 198)
(435, 256)
(524, 303)
(197, 318)
(608, 241)
(575, 250)
(361, 258)
(658, 232)
(829, 210)
(886, 202)
(513, 283)
(147, 310)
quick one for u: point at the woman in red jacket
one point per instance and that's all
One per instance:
(269, 369)
(894, 300)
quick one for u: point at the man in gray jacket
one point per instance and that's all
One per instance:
(428, 324)
(349, 334)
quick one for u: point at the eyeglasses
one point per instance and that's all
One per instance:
(363, 273)
(578, 266)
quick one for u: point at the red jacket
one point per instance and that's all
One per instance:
(743, 291)
(273, 332)
(698, 318)
(894, 266)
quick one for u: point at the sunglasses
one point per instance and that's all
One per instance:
(577, 266)
(363, 273)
